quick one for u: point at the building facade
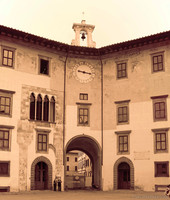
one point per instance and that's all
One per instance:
(112, 103)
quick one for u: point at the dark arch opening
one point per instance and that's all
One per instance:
(89, 146)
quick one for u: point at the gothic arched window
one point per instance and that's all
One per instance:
(39, 108)
(52, 109)
(46, 108)
(32, 106)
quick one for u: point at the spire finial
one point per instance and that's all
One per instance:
(83, 15)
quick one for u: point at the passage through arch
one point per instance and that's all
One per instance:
(92, 149)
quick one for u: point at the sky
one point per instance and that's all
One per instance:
(115, 20)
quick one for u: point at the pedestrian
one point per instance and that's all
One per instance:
(167, 191)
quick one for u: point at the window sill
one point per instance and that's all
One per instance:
(123, 153)
(42, 123)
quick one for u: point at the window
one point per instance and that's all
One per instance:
(87, 162)
(162, 169)
(52, 109)
(4, 168)
(76, 168)
(42, 142)
(121, 70)
(67, 159)
(159, 108)
(75, 159)
(83, 96)
(123, 142)
(122, 112)
(4, 139)
(160, 140)
(39, 108)
(44, 65)
(48, 107)
(67, 168)
(7, 56)
(6, 102)
(32, 106)
(157, 62)
(83, 114)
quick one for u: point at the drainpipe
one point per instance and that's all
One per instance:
(101, 182)
(64, 104)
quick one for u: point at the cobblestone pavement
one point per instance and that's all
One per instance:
(83, 195)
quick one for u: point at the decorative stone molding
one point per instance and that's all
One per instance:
(115, 172)
(47, 161)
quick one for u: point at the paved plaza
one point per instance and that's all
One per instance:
(83, 195)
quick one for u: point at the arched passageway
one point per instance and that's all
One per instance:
(89, 146)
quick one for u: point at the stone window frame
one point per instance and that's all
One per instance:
(123, 133)
(51, 107)
(160, 131)
(159, 99)
(8, 173)
(161, 53)
(121, 104)
(7, 94)
(42, 132)
(9, 129)
(83, 106)
(156, 163)
(126, 69)
(11, 49)
(83, 96)
(45, 58)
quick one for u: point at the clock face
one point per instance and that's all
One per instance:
(83, 72)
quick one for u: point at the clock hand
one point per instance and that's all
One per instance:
(84, 72)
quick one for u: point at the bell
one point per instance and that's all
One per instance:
(83, 36)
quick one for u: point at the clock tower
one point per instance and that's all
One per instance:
(83, 30)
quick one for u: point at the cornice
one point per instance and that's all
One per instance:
(82, 51)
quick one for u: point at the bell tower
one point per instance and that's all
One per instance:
(83, 30)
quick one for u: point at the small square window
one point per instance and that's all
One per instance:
(4, 168)
(44, 65)
(8, 56)
(121, 70)
(162, 169)
(159, 108)
(83, 96)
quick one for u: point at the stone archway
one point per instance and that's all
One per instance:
(92, 148)
(48, 163)
(117, 163)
